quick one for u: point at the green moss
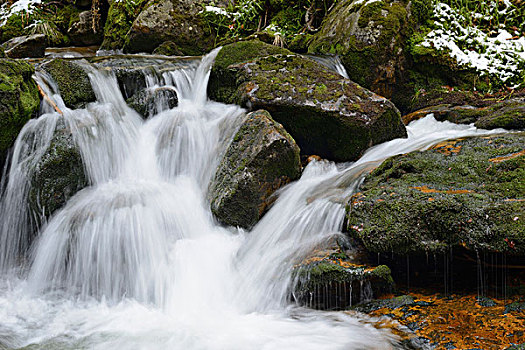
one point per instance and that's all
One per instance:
(19, 100)
(261, 158)
(58, 176)
(73, 82)
(461, 193)
(121, 15)
(223, 83)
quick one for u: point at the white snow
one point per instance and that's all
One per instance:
(498, 55)
(19, 6)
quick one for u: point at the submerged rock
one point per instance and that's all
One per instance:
(26, 46)
(149, 102)
(327, 115)
(58, 175)
(73, 82)
(262, 158)
(489, 114)
(19, 101)
(330, 281)
(465, 192)
(177, 21)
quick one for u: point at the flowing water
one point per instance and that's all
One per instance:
(137, 261)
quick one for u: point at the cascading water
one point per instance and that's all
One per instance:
(137, 261)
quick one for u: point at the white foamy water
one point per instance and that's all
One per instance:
(137, 261)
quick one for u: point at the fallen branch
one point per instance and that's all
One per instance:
(44, 95)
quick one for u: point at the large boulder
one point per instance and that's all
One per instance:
(222, 84)
(178, 21)
(72, 81)
(26, 46)
(261, 158)
(464, 193)
(58, 175)
(83, 33)
(370, 37)
(19, 101)
(327, 115)
(487, 114)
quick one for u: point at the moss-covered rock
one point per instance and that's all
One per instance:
(261, 158)
(72, 80)
(379, 44)
(371, 39)
(509, 114)
(223, 81)
(58, 175)
(466, 192)
(121, 15)
(19, 101)
(326, 114)
(331, 281)
(177, 21)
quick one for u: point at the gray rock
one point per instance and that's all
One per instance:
(170, 20)
(261, 158)
(82, 32)
(26, 46)
(149, 102)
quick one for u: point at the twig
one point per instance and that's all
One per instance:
(44, 95)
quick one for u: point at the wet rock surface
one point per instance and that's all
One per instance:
(25, 46)
(58, 175)
(487, 114)
(261, 158)
(72, 81)
(329, 280)
(327, 115)
(460, 193)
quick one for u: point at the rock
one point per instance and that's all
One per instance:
(73, 82)
(177, 21)
(490, 114)
(378, 42)
(168, 48)
(81, 32)
(261, 158)
(464, 193)
(149, 102)
(26, 46)
(327, 115)
(58, 175)
(222, 85)
(370, 37)
(121, 15)
(392, 303)
(19, 101)
(330, 281)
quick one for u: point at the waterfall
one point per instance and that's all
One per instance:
(137, 261)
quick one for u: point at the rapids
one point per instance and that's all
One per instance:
(137, 261)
